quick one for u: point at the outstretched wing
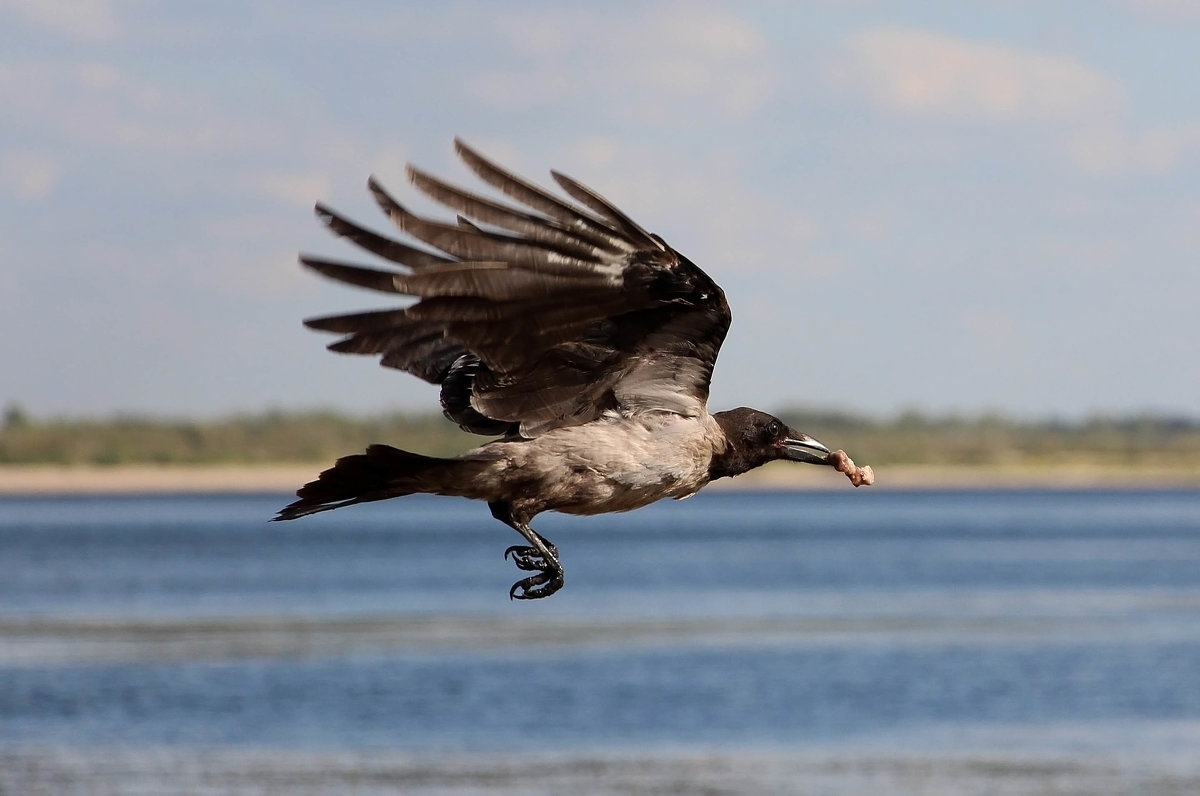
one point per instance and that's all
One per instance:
(533, 314)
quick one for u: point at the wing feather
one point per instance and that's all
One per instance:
(378, 244)
(602, 206)
(532, 196)
(533, 315)
(534, 227)
(474, 244)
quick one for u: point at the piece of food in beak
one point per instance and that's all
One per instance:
(859, 476)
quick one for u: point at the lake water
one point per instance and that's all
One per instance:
(766, 627)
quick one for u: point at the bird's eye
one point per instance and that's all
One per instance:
(773, 429)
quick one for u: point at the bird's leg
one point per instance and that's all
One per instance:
(541, 557)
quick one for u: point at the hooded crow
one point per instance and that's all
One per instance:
(583, 342)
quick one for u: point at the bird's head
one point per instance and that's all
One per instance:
(754, 438)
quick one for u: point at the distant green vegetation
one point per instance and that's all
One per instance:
(268, 438)
(279, 437)
(913, 438)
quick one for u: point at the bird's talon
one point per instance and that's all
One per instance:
(527, 558)
(543, 584)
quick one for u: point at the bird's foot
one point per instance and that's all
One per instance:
(529, 559)
(539, 556)
(543, 584)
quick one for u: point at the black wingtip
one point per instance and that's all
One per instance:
(382, 198)
(376, 187)
(328, 268)
(325, 268)
(470, 155)
(325, 214)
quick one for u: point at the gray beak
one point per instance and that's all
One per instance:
(803, 448)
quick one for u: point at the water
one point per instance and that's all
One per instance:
(866, 623)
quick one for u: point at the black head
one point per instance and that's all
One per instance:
(754, 438)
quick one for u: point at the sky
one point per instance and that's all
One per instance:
(946, 207)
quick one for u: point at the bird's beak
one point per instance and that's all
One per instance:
(803, 448)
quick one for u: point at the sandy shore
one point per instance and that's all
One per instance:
(67, 771)
(50, 480)
(285, 478)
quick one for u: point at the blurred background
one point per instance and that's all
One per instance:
(955, 237)
(920, 205)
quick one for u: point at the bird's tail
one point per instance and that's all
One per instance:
(382, 472)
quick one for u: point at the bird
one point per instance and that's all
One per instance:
(558, 325)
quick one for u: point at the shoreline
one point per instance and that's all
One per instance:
(49, 480)
(904, 770)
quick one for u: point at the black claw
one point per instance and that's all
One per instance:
(537, 586)
(529, 558)
(521, 551)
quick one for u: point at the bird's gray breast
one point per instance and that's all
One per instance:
(620, 462)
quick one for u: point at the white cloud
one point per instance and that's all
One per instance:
(188, 135)
(1109, 150)
(29, 175)
(642, 63)
(85, 20)
(100, 104)
(926, 72)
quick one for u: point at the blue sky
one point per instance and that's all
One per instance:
(956, 207)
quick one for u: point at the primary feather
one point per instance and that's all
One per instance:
(536, 315)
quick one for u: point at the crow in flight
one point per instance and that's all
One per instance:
(584, 343)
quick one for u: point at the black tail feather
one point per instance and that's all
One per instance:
(382, 472)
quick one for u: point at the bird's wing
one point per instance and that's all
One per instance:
(535, 313)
